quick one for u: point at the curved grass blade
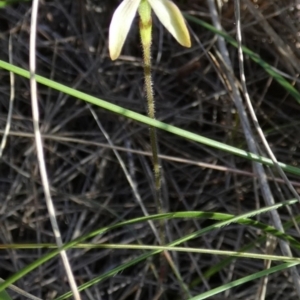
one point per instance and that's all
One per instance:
(226, 220)
(243, 280)
(225, 262)
(210, 272)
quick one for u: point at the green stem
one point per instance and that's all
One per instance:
(145, 31)
(146, 37)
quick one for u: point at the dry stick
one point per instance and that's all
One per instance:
(265, 188)
(146, 36)
(271, 242)
(251, 109)
(260, 132)
(11, 100)
(40, 151)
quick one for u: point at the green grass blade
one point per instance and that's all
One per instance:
(226, 219)
(148, 121)
(225, 262)
(235, 254)
(4, 296)
(243, 280)
(6, 3)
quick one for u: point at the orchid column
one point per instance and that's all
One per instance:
(171, 17)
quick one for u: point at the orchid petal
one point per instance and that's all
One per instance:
(120, 26)
(170, 16)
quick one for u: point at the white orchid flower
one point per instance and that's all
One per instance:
(166, 11)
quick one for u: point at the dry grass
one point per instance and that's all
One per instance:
(88, 185)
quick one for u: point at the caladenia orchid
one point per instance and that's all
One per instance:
(170, 16)
(166, 11)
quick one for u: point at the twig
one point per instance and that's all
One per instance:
(266, 191)
(11, 100)
(40, 152)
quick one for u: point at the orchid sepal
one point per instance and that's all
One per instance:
(167, 12)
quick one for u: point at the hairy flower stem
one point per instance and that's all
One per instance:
(146, 37)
